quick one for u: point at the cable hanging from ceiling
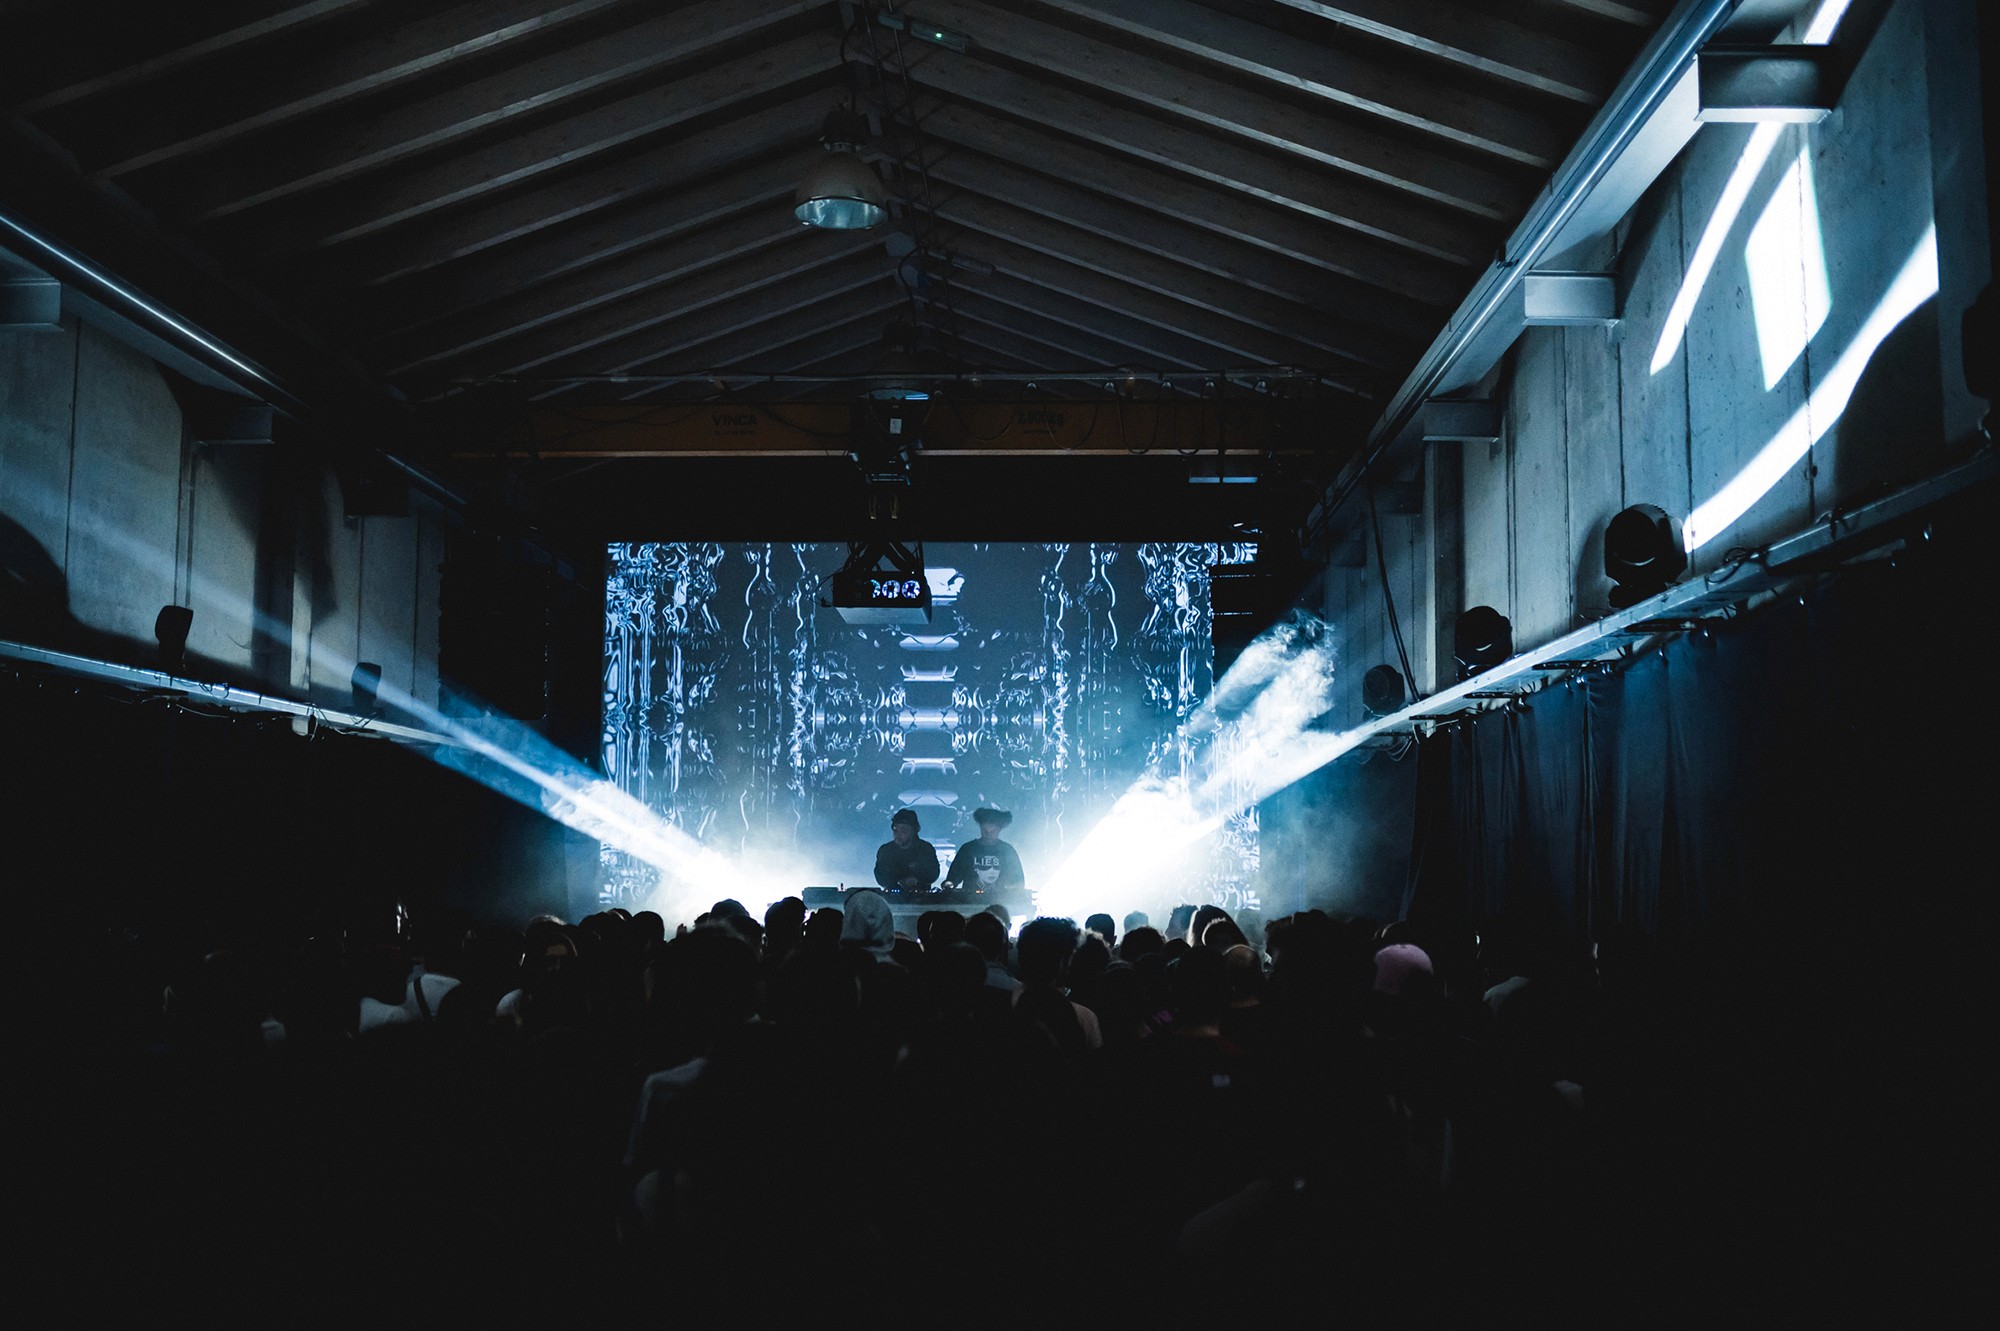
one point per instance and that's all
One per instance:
(927, 287)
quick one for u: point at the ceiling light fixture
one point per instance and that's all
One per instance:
(842, 193)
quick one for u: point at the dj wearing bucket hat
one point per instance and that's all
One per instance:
(988, 863)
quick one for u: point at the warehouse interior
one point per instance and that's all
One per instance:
(1566, 419)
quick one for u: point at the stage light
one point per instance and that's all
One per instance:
(1643, 553)
(1482, 639)
(170, 628)
(366, 682)
(842, 193)
(1383, 691)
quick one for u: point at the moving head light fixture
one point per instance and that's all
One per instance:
(1482, 639)
(1643, 553)
(1383, 691)
(170, 630)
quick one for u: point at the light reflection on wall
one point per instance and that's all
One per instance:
(1819, 30)
(1785, 261)
(1914, 284)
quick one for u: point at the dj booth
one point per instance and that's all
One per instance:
(908, 906)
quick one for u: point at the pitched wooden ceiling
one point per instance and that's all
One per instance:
(568, 203)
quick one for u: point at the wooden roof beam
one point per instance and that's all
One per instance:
(1183, 346)
(1238, 340)
(1211, 157)
(1343, 338)
(1467, 35)
(1344, 142)
(252, 174)
(242, 94)
(664, 331)
(1079, 336)
(765, 345)
(1063, 347)
(358, 210)
(623, 335)
(1245, 217)
(427, 244)
(581, 252)
(1330, 74)
(118, 65)
(631, 274)
(1331, 295)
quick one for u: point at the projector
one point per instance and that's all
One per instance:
(877, 596)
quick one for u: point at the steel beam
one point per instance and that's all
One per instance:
(30, 302)
(1461, 421)
(1109, 426)
(1794, 85)
(1569, 300)
(1646, 87)
(1537, 300)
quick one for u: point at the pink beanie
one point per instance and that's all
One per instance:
(1395, 964)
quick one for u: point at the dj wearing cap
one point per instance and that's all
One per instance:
(989, 863)
(905, 861)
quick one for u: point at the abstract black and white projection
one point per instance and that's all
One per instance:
(1051, 678)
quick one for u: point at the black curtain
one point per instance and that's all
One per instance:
(1804, 763)
(1797, 807)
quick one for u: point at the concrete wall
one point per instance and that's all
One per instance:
(1591, 427)
(108, 513)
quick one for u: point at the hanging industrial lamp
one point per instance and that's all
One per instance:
(842, 193)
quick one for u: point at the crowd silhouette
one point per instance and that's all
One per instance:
(1218, 1116)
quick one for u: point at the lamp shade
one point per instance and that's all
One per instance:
(841, 193)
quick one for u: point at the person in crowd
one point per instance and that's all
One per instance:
(1140, 942)
(1046, 948)
(868, 925)
(986, 933)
